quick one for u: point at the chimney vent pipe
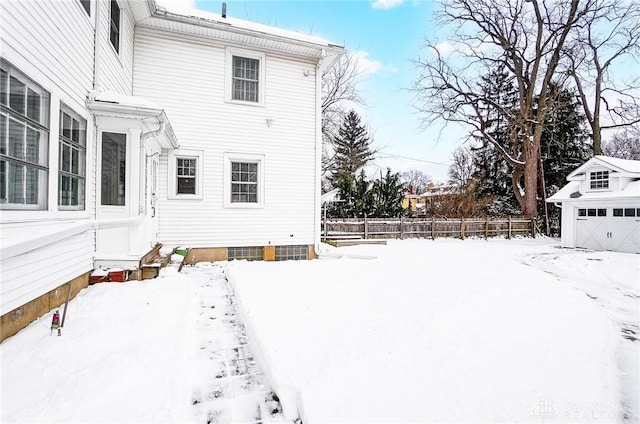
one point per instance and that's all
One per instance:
(224, 10)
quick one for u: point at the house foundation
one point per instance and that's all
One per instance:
(19, 318)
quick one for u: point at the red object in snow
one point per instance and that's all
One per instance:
(118, 276)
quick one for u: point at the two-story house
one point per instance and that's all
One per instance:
(124, 125)
(601, 205)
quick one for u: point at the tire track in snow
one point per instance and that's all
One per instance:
(230, 387)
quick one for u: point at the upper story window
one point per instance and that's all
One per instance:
(86, 5)
(246, 79)
(246, 76)
(599, 180)
(114, 27)
(24, 141)
(71, 156)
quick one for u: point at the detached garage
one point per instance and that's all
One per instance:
(601, 205)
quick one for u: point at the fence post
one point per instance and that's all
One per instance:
(365, 227)
(400, 228)
(486, 228)
(533, 227)
(462, 229)
(433, 235)
(509, 236)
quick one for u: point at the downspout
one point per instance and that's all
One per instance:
(318, 186)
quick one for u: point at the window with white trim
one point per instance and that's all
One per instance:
(114, 25)
(599, 180)
(24, 141)
(185, 174)
(245, 71)
(71, 154)
(244, 180)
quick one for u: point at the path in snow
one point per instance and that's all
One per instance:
(231, 388)
(619, 297)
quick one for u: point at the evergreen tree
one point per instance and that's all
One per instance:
(388, 192)
(352, 147)
(492, 174)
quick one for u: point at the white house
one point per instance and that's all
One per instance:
(124, 125)
(601, 205)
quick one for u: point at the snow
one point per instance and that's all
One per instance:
(425, 331)
(198, 15)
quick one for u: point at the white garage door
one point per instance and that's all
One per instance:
(613, 228)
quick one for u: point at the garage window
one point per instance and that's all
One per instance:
(602, 212)
(617, 212)
(599, 180)
(591, 212)
(582, 212)
(630, 212)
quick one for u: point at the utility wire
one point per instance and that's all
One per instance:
(410, 158)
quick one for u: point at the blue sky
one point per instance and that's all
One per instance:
(387, 34)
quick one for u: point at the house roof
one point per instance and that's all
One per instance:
(572, 192)
(172, 17)
(625, 166)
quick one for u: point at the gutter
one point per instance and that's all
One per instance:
(29, 245)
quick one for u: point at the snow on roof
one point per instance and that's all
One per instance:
(631, 190)
(331, 196)
(124, 100)
(198, 15)
(624, 164)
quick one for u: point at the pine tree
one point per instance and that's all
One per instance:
(388, 192)
(352, 147)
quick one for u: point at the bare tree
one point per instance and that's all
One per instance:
(461, 168)
(609, 34)
(625, 144)
(339, 94)
(524, 36)
(416, 181)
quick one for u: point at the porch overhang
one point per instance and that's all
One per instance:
(153, 118)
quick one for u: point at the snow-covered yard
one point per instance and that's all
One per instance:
(428, 331)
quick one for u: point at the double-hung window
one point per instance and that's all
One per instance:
(246, 79)
(245, 82)
(599, 180)
(244, 180)
(186, 170)
(72, 153)
(24, 141)
(185, 174)
(114, 25)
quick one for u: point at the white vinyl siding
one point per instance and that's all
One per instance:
(193, 91)
(114, 68)
(52, 43)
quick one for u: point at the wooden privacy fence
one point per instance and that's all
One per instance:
(392, 228)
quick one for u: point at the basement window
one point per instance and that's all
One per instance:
(247, 253)
(293, 253)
